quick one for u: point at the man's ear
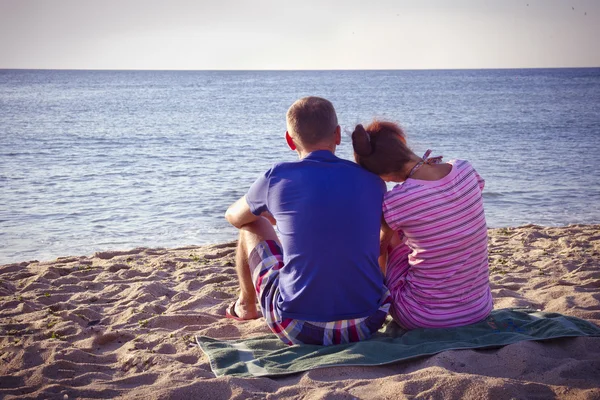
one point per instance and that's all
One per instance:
(290, 141)
(338, 135)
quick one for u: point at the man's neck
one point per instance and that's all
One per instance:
(304, 152)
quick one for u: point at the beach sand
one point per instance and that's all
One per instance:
(122, 324)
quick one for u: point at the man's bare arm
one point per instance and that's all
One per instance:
(239, 214)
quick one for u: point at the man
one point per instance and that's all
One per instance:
(320, 283)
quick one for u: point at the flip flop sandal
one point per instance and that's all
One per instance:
(231, 314)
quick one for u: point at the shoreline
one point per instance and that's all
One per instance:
(121, 324)
(125, 249)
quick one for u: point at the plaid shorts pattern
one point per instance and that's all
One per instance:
(265, 260)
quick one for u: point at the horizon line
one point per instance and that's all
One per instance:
(289, 70)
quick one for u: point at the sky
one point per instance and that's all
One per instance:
(293, 34)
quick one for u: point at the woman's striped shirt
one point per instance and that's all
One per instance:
(439, 277)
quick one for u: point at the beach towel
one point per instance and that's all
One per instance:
(268, 356)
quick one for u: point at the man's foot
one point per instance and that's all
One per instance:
(240, 312)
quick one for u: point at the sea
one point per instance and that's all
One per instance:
(106, 160)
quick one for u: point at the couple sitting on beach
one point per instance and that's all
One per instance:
(348, 252)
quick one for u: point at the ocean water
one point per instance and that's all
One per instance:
(97, 160)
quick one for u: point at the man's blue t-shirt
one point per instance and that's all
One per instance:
(328, 213)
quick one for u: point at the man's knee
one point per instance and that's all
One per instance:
(255, 232)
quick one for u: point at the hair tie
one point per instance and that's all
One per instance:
(361, 141)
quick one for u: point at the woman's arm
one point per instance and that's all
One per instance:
(385, 237)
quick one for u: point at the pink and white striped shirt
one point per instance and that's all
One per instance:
(439, 277)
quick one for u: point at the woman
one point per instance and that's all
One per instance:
(434, 234)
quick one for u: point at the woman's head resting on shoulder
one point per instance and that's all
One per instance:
(381, 148)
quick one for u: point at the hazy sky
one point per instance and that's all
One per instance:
(299, 34)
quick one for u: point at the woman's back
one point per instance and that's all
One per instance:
(445, 280)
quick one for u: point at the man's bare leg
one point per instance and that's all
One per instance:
(250, 235)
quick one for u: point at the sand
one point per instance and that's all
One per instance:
(121, 324)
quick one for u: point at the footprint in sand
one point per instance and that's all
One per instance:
(111, 340)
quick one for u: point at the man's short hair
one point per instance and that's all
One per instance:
(312, 120)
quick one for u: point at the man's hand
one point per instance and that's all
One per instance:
(270, 217)
(239, 214)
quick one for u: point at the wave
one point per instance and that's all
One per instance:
(492, 195)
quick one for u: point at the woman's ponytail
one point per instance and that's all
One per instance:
(381, 147)
(361, 141)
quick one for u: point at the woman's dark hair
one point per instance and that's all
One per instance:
(380, 147)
